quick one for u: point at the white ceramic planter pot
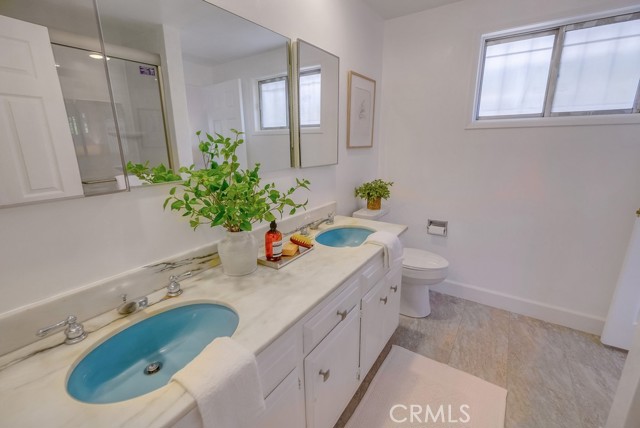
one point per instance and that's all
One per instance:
(238, 253)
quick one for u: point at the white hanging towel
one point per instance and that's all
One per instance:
(224, 381)
(391, 245)
(624, 311)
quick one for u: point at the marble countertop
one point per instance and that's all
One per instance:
(268, 302)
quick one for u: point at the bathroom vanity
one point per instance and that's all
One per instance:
(316, 327)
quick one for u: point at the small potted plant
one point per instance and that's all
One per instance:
(222, 194)
(374, 191)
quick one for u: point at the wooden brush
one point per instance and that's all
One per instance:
(303, 241)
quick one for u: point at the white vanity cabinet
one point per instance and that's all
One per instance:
(380, 316)
(392, 314)
(281, 377)
(285, 405)
(310, 373)
(331, 373)
(331, 369)
(335, 368)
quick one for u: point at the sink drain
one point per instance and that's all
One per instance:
(153, 368)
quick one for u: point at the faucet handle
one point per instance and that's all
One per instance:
(182, 275)
(74, 332)
(173, 289)
(330, 217)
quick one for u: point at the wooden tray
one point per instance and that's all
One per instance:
(262, 260)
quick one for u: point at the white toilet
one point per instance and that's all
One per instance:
(420, 269)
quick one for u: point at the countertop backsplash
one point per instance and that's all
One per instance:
(19, 325)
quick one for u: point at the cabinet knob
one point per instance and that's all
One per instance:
(394, 288)
(384, 299)
(325, 374)
(342, 314)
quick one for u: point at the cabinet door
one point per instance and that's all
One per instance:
(285, 405)
(373, 326)
(331, 373)
(392, 310)
(380, 317)
(38, 158)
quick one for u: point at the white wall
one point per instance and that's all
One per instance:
(52, 248)
(539, 217)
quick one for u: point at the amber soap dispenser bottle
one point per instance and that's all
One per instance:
(273, 243)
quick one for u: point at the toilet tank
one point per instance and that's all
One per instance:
(371, 214)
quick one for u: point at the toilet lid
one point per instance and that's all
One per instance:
(423, 260)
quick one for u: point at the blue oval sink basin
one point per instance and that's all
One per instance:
(143, 357)
(347, 236)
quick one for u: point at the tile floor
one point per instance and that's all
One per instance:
(556, 377)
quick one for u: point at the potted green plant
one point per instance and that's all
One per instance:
(223, 194)
(374, 191)
(157, 174)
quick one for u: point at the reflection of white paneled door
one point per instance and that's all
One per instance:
(38, 160)
(624, 312)
(223, 102)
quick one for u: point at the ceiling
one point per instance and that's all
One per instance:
(208, 33)
(389, 9)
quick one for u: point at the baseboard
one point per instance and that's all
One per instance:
(550, 313)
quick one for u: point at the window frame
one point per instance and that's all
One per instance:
(559, 28)
(260, 82)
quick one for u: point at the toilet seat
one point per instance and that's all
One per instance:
(420, 267)
(421, 260)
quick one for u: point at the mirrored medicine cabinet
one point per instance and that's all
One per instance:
(92, 85)
(318, 88)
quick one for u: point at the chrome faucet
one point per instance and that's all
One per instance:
(130, 306)
(173, 289)
(329, 220)
(74, 332)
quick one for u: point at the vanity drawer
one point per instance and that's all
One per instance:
(279, 359)
(371, 274)
(330, 316)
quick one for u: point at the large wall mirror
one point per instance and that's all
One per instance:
(88, 86)
(228, 72)
(174, 68)
(318, 89)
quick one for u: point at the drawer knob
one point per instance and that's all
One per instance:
(342, 314)
(384, 299)
(325, 374)
(394, 288)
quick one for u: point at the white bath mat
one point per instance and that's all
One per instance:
(410, 390)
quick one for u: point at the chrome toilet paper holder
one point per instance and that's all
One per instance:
(437, 227)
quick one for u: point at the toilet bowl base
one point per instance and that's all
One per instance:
(414, 300)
